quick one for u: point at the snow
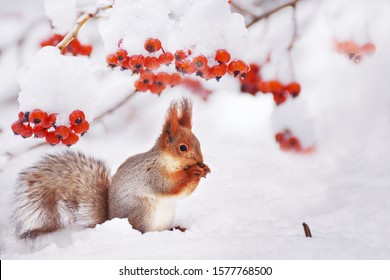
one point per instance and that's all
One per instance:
(62, 14)
(254, 202)
(202, 26)
(58, 84)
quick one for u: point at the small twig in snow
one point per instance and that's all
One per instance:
(307, 230)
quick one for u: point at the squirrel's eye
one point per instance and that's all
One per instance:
(183, 148)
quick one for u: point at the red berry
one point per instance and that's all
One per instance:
(147, 78)
(218, 71)
(249, 88)
(222, 56)
(70, 140)
(52, 41)
(124, 63)
(348, 48)
(81, 128)
(368, 48)
(200, 62)
(76, 117)
(155, 88)
(49, 121)
(175, 79)
(17, 127)
(136, 62)
(280, 97)
(52, 138)
(180, 55)
(39, 131)
(140, 86)
(203, 73)
(207, 74)
(23, 117)
(293, 89)
(162, 79)
(121, 54)
(62, 132)
(27, 131)
(237, 67)
(187, 67)
(86, 50)
(252, 76)
(36, 116)
(263, 87)
(152, 45)
(165, 58)
(279, 137)
(74, 47)
(294, 144)
(112, 60)
(275, 86)
(152, 63)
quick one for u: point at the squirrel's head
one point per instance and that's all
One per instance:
(177, 139)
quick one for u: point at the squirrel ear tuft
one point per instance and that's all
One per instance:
(185, 118)
(171, 122)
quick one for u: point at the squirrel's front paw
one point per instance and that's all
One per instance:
(198, 170)
(205, 168)
(182, 229)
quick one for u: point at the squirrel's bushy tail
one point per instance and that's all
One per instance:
(62, 189)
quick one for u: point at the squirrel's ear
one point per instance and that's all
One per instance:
(185, 119)
(171, 123)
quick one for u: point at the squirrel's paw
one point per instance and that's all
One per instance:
(205, 168)
(197, 171)
(182, 229)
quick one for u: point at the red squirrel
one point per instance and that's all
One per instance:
(71, 188)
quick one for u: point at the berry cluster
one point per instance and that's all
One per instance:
(290, 143)
(184, 61)
(43, 125)
(74, 47)
(253, 83)
(353, 51)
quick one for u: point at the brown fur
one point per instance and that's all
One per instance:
(58, 187)
(71, 188)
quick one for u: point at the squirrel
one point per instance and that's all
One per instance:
(71, 188)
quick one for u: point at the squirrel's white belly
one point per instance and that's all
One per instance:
(164, 214)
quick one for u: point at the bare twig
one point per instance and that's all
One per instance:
(307, 230)
(272, 11)
(79, 23)
(117, 106)
(294, 37)
(14, 155)
(241, 10)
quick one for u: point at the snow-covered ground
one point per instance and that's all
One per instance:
(254, 202)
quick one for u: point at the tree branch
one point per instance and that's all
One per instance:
(272, 11)
(79, 23)
(117, 106)
(241, 10)
(294, 35)
(290, 46)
